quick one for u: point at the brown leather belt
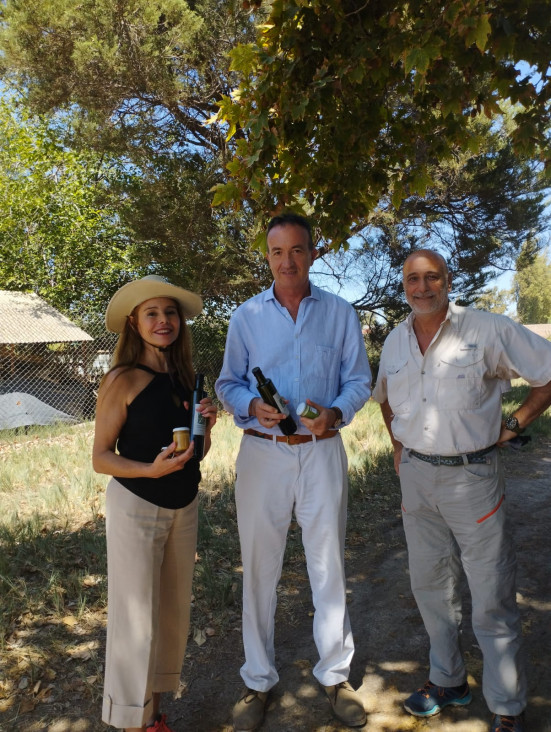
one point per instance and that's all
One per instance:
(291, 439)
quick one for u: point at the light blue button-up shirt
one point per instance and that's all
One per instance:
(321, 356)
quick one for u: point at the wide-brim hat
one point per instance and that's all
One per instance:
(134, 293)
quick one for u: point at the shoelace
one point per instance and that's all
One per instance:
(429, 687)
(506, 723)
(426, 689)
(250, 696)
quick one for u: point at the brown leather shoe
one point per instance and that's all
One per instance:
(248, 713)
(346, 704)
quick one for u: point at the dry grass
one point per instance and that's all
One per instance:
(52, 559)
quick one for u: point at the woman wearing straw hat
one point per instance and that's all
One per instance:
(151, 502)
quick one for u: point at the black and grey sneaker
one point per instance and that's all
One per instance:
(507, 723)
(431, 699)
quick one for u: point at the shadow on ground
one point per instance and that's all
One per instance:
(391, 646)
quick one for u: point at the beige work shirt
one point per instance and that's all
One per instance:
(448, 401)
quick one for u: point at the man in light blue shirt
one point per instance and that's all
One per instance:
(309, 343)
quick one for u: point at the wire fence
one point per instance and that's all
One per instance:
(49, 383)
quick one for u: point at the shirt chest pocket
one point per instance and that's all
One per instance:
(397, 380)
(323, 373)
(325, 361)
(459, 380)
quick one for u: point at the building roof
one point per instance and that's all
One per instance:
(27, 318)
(541, 329)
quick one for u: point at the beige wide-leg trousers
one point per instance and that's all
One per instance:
(150, 561)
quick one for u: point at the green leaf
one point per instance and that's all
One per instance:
(397, 195)
(480, 33)
(234, 166)
(417, 59)
(225, 193)
(256, 181)
(244, 58)
(357, 74)
(420, 182)
(259, 242)
(451, 107)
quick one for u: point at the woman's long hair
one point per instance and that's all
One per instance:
(179, 354)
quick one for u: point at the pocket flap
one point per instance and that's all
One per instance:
(463, 358)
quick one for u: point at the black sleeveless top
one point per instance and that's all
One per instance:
(152, 416)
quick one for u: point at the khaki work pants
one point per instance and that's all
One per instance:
(454, 518)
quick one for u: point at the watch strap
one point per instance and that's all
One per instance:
(512, 424)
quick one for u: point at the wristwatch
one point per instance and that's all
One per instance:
(338, 421)
(513, 426)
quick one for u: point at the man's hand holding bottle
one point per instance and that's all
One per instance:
(266, 415)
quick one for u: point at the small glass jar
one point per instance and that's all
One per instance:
(180, 435)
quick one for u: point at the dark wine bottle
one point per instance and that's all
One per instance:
(269, 394)
(198, 422)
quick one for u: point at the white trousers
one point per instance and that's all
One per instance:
(273, 479)
(150, 562)
(455, 516)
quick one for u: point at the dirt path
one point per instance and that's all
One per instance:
(391, 646)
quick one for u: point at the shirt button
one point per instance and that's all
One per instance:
(426, 429)
(424, 399)
(423, 373)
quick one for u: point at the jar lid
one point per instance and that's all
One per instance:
(181, 429)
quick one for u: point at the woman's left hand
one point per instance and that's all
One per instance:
(209, 412)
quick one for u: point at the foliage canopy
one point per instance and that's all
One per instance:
(137, 80)
(532, 287)
(374, 119)
(59, 236)
(345, 103)
(479, 212)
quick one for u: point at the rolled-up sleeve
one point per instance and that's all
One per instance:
(522, 353)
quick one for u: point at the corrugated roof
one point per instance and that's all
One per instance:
(27, 318)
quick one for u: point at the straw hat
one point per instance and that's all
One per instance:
(134, 293)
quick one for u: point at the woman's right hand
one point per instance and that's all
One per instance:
(166, 462)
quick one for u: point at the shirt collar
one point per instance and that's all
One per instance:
(314, 293)
(452, 315)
